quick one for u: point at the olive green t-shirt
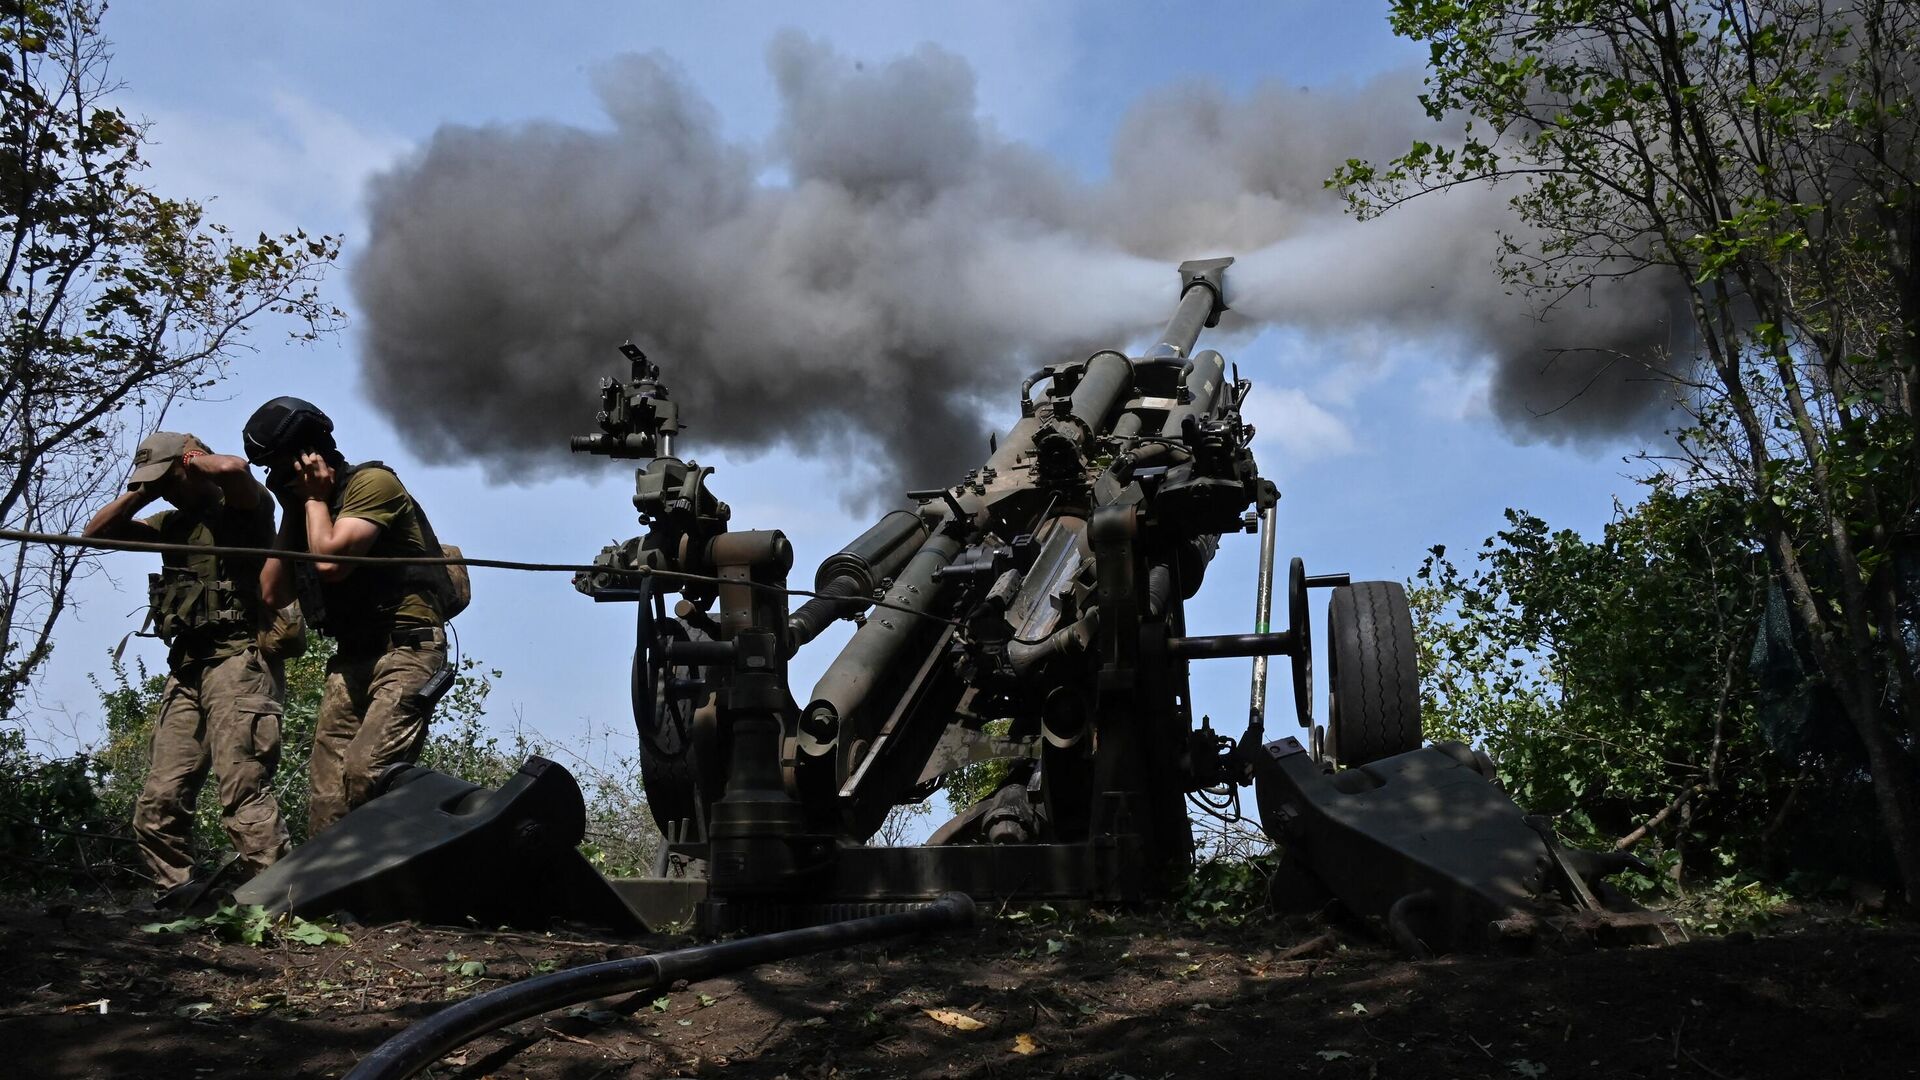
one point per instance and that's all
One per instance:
(376, 495)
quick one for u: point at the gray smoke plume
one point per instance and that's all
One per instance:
(886, 261)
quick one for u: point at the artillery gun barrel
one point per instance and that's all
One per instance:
(1185, 326)
(1202, 299)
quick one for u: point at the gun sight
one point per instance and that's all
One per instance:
(636, 417)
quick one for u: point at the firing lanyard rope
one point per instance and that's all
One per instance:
(107, 544)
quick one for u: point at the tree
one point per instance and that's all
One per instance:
(901, 822)
(114, 302)
(1759, 156)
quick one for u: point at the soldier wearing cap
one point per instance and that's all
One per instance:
(391, 663)
(221, 707)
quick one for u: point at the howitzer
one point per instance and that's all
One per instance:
(1033, 613)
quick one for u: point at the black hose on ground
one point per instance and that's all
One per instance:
(1400, 925)
(428, 1041)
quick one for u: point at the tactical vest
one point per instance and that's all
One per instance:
(359, 609)
(198, 603)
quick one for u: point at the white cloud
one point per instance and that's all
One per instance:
(1456, 394)
(1290, 429)
(280, 163)
(1358, 359)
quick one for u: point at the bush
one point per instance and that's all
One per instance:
(622, 840)
(52, 827)
(131, 703)
(1610, 680)
(67, 820)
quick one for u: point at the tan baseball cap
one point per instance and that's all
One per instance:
(157, 453)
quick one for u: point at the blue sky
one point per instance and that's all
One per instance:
(277, 114)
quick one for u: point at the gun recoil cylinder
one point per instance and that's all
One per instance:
(1108, 379)
(842, 693)
(1201, 383)
(849, 576)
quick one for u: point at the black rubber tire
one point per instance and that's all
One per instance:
(1373, 678)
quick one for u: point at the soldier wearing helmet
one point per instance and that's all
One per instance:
(388, 622)
(221, 707)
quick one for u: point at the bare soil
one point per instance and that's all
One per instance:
(1094, 996)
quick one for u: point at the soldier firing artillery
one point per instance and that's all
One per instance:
(391, 665)
(221, 707)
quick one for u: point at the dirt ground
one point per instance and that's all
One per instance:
(86, 993)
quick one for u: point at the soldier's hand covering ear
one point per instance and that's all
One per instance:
(315, 476)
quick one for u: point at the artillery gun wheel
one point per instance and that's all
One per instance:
(1301, 624)
(663, 718)
(1373, 692)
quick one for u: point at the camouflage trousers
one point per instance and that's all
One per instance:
(223, 714)
(368, 721)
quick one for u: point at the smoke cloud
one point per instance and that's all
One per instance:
(886, 261)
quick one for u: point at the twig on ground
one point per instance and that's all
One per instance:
(1313, 946)
(558, 1034)
(1704, 1067)
(448, 931)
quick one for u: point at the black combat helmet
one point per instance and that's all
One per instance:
(286, 425)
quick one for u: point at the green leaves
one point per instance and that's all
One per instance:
(307, 933)
(458, 964)
(1591, 669)
(1225, 891)
(251, 925)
